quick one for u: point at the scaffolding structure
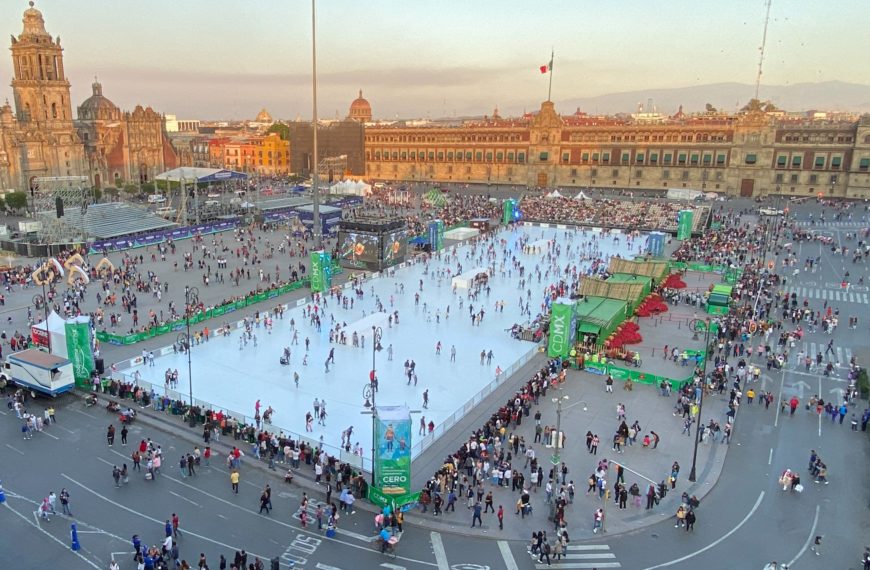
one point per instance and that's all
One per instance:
(56, 195)
(332, 169)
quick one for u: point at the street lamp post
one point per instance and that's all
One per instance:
(370, 392)
(557, 446)
(698, 325)
(191, 298)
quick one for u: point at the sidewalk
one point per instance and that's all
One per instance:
(644, 404)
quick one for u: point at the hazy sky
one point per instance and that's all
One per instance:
(228, 58)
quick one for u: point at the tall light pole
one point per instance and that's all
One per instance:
(556, 457)
(699, 325)
(315, 191)
(370, 391)
(191, 299)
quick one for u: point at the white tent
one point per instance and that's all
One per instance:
(581, 196)
(56, 334)
(554, 194)
(352, 187)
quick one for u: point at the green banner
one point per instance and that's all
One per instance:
(316, 271)
(401, 503)
(684, 225)
(562, 329)
(392, 461)
(80, 351)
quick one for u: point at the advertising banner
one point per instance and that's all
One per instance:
(562, 328)
(316, 272)
(392, 461)
(80, 351)
(508, 211)
(684, 224)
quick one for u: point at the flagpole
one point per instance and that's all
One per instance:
(550, 88)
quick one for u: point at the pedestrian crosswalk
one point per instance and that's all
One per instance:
(841, 356)
(831, 223)
(581, 556)
(830, 295)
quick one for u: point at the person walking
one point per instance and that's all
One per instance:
(475, 517)
(500, 515)
(124, 432)
(234, 481)
(64, 502)
(110, 435)
(116, 475)
(176, 532)
(690, 520)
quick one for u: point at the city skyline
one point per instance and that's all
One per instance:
(218, 60)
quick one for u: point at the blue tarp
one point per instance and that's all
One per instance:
(419, 240)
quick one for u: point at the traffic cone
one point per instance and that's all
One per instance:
(75, 538)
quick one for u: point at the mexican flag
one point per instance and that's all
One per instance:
(548, 67)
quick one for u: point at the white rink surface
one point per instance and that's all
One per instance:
(235, 379)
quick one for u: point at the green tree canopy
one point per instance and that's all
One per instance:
(16, 200)
(282, 130)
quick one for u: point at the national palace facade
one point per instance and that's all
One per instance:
(753, 154)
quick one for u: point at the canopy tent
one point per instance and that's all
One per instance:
(581, 196)
(554, 194)
(600, 316)
(654, 269)
(56, 327)
(684, 194)
(200, 175)
(435, 198)
(354, 187)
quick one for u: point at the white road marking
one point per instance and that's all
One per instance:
(15, 449)
(438, 549)
(85, 414)
(809, 539)
(43, 432)
(52, 537)
(510, 562)
(770, 457)
(716, 542)
(183, 498)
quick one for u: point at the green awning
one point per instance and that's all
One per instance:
(751, 159)
(588, 328)
(781, 160)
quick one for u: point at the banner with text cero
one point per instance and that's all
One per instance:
(563, 327)
(80, 350)
(392, 461)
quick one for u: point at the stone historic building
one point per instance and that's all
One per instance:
(750, 154)
(38, 138)
(41, 138)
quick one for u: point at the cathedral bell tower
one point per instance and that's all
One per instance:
(42, 102)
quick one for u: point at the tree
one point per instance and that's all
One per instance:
(130, 189)
(282, 130)
(710, 108)
(2, 203)
(111, 192)
(148, 188)
(758, 106)
(16, 200)
(98, 195)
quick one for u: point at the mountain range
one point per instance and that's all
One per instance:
(728, 97)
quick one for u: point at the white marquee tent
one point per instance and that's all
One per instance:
(353, 187)
(554, 194)
(581, 196)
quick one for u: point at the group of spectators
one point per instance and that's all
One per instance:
(637, 215)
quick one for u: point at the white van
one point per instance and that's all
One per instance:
(165, 212)
(156, 199)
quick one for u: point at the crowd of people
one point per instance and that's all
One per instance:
(605, 212)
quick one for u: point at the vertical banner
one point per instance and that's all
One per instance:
(508, 211)
(321, 271)
(80, 351)
(562, 328)
(656, 244)
(436, 235)
(684, 224)
(392, 461)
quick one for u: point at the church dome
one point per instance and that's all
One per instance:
(264, 117)
(360, 110)
(97, 107)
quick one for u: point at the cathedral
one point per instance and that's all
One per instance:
(40, 138)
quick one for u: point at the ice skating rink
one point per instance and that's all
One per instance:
(235, 378)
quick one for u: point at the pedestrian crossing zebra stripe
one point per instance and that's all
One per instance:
(838, 224)
(842, 355)
(581, 556)
(828, 295)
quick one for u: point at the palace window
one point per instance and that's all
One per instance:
(666, 174)
(864, 164)
(624, 158)
(751, 159)
(796, 161)
(499, 156)
(814, 178)
(521, 157)
(653, 158)
(820, 162)
(835, 162)
(440, 155)
(478, 156)
(489, 157)
(594, 157)
(573, 172)
(781, 161)
(779, 177)
(449, 156)
(605, 157)
(668, 157)
(708, 159)
(566, 156)
(694, 159)
(468, 156)
(681, 158)
(543, 157)
(795, 178)
(638, 158)
(834, 178)
(510, 157)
